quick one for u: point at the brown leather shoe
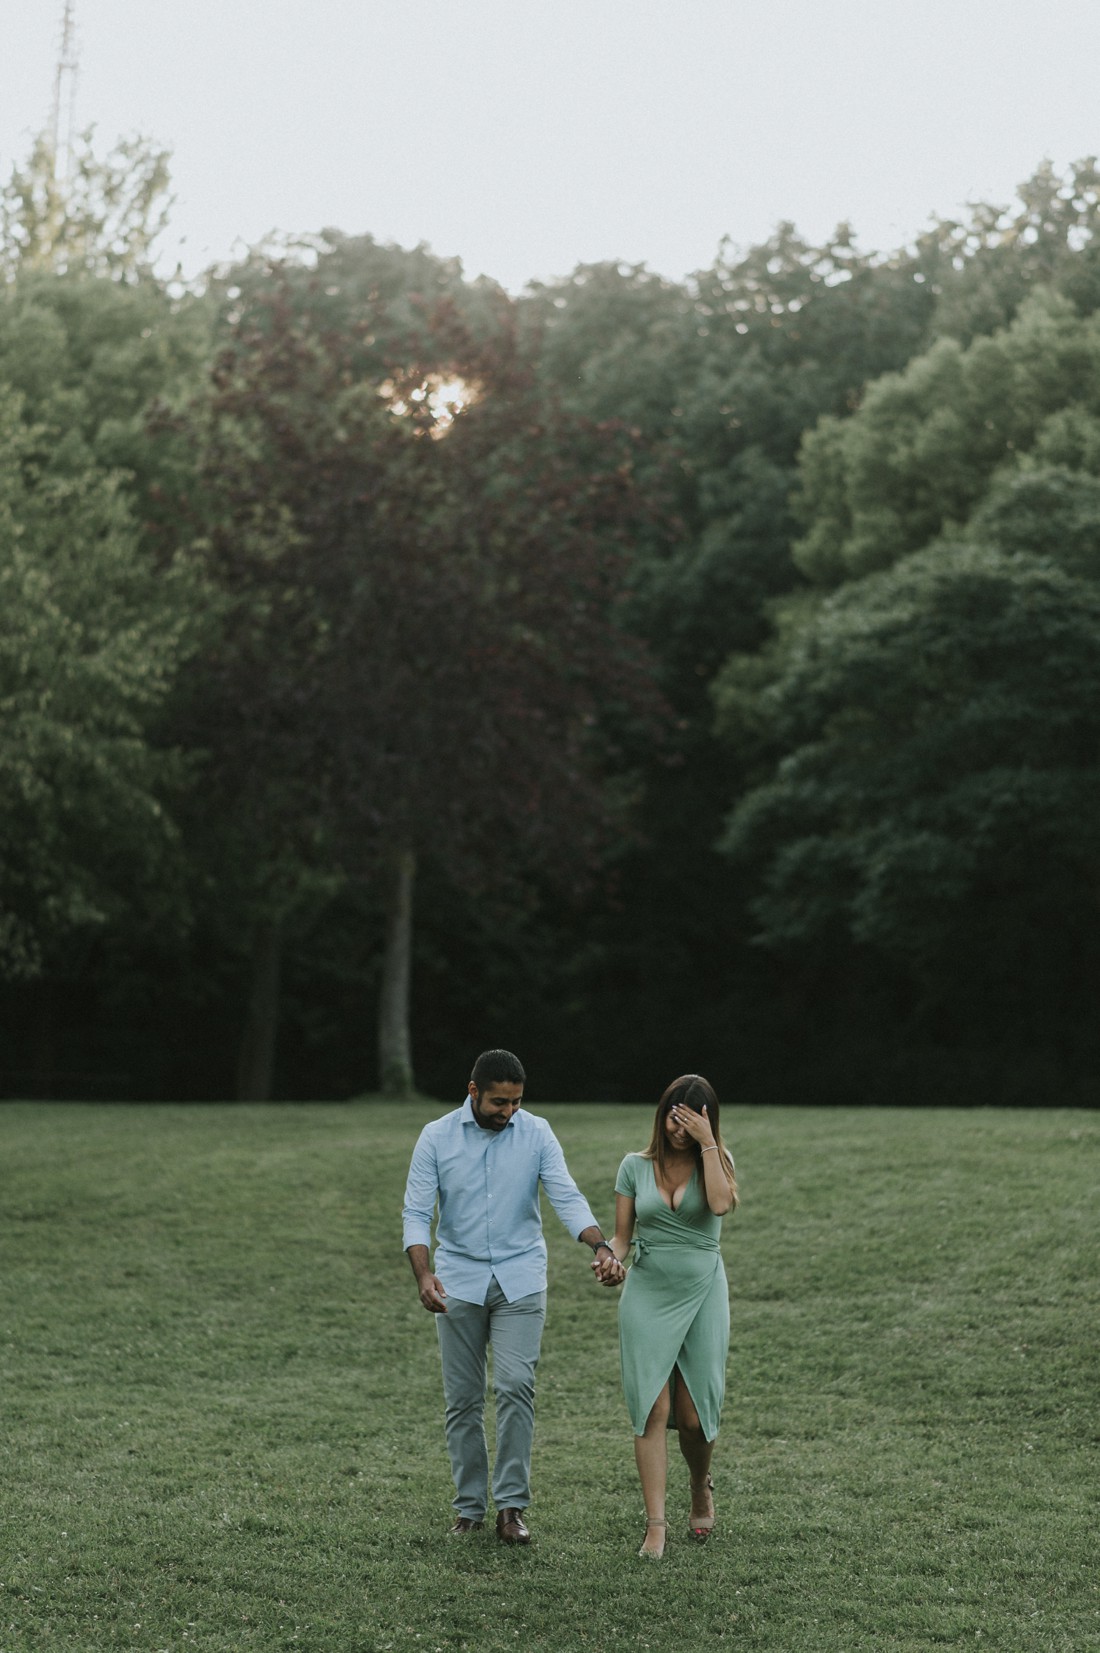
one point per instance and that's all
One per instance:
(465, 1524)
(511, 1528)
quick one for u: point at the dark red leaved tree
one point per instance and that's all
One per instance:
(422, 562)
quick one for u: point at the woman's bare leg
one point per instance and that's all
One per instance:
(697, 1452)
(651, 1456)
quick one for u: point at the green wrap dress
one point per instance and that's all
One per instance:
(675, 1306)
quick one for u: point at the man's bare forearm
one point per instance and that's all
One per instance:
(432, 1294)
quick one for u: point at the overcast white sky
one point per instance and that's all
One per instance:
(527, 136)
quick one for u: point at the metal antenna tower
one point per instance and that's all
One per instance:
(63, 113)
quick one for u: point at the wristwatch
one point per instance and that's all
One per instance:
(602, 1245)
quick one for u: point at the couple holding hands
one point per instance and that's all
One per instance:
(481, 1167)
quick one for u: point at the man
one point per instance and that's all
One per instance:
(483, 1164)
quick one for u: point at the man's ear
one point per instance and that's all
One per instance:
(471, 1090)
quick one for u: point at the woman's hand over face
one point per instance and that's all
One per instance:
(696, 1125)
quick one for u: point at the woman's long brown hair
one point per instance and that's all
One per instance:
(692, 1091)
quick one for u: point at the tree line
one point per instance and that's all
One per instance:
(649, 676)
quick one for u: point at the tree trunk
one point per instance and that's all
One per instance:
(256, 1057)
(394, 1045)
(44, 1042)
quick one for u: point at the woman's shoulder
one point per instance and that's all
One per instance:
(630, 1168)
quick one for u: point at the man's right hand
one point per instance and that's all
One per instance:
(431, 1290)
(432, 1293)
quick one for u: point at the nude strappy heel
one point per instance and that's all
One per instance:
(701, 1528)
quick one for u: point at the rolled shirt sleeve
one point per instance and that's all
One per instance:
(564, 1195)
(421, 1190)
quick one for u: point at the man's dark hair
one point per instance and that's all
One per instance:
(495, 1067)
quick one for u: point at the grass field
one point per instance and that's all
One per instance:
(222, 1421)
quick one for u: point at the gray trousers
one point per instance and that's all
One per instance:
(466, 1331)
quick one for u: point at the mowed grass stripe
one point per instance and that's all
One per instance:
(223, 1419)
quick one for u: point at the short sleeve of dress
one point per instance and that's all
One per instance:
(626, 1181)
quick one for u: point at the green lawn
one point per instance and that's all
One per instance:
(222, 1423)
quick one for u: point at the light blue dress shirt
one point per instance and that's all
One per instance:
(487, 1187)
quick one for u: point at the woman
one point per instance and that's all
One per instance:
(674, 1317)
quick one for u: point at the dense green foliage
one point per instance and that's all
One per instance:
(721, 656)
(91, 641)
(223, 1415)
(931, 824)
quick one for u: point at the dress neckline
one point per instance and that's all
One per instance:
(668, 1204)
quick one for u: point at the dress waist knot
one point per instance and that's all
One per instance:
(694, 1242)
